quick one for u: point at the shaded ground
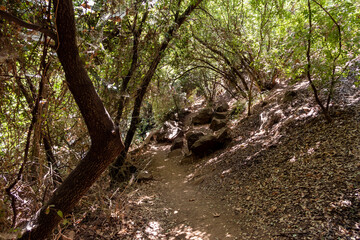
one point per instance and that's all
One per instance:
(288, 174)
(290, 180)
(178, 209)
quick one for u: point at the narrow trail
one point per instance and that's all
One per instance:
(189, 212)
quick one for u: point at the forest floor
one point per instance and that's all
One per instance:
(287, 174)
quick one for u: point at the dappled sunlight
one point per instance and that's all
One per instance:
(226, 171)
(161, 167)
(158, 148)
(154, 231)
(145, 199)
(186, 232)
(293, 159)
(301, 85)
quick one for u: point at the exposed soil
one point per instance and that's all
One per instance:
(292, 180)
(178, 208)
(287, 174)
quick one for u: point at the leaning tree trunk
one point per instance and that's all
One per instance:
(105, 137)
(135, 56)
(135, 120)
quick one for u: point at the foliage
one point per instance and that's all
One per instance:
(241, 46)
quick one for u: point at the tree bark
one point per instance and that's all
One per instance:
(105, 137)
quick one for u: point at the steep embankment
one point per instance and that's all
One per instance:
(287, 174)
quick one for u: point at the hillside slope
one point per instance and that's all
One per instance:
(287, 174)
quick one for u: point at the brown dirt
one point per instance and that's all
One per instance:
(288, 174)
(294, 176)
(177, 208)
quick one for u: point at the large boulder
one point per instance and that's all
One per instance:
(204, 116)
(192, 136)
(210, 143)
(223, 136)
(217, 124)
(168, 132)
(220, 115)
(204, 146)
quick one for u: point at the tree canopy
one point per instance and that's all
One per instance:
(77, 77)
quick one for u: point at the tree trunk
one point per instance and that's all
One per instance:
(105, 137)
(135, 120)
(135, 57)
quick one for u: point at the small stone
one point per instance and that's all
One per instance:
(144, 175)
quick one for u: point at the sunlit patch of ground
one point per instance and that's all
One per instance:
(154, 231)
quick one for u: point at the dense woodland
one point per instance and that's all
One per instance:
(83, 83)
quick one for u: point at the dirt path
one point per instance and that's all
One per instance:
(179, 209)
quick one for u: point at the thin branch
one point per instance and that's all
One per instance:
(308, 70)
(333, 79)
(18, 21)
(227, 61)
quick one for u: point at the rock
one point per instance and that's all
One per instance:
(220, 115)
(192, 137)
(168, 132)
(222, 107)
(178, 143)
(205, 145)
(183, 113)
(144, 175)
(150, 137)
(223, 136)
(211, 142)
(204, 116)
(217, 124)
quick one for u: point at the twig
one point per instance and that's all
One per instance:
(11, 186)
(35, 112)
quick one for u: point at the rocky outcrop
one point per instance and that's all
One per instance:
(220, 115)
(198, 141)
(168, 132)
(217, 124)
(204, 146)
(210, 143)
(203, 117)
(223, 136)
(192, 136)
(177, 144)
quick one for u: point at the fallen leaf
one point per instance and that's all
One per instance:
(216, 215)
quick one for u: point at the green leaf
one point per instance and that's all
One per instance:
(47, 210)
(60, 213)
